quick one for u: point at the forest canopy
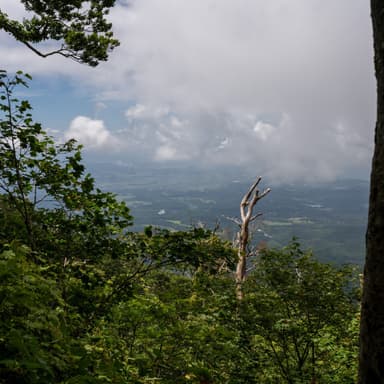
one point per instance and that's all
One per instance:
(85, 300)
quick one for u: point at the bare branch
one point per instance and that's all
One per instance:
(265, 192)
(62, 51)
(249, 193)
(234, 220)
(254, 217)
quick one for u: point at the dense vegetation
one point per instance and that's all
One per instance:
(85, 300)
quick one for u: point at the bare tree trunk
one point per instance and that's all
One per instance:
(371, 362)
(247, 204)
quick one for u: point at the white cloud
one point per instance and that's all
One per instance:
(223, 143)
(281, 150)
(91, 133)
(136, 111)
(140, 111)
(286, 87)
(14, 9)
(167, 152)
(263, 130)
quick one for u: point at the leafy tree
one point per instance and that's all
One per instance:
(196, 249)
(372, 310)
(173, 329)
(80, 28)
(298, 314)
(37, 174)
(186, 326)
(33, 348)
(55, 291)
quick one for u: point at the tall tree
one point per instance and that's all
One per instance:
(371, 365)
(80, 28)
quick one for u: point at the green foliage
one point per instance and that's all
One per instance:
(302, 312)
(79, 26)
(83, 300)
(34, 170)
(197, 248)
(32, 348)
(171, 332)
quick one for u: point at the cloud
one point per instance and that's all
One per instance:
(167, 152)
(91, 133)
(277, 147)
(286, 88)
(263, 130)
(263, 84)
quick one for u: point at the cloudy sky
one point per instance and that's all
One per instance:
(282, 87)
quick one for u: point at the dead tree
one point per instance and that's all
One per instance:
(247, 204)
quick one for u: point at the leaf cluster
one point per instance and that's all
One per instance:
(303, 311)
(80, 27)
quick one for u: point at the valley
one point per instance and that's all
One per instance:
(329, 218)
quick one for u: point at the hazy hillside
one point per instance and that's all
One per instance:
(329, 218)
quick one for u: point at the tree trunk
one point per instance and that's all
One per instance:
(247, 204)
(371, 363)
(241, 266)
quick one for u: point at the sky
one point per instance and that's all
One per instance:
(283, 88)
